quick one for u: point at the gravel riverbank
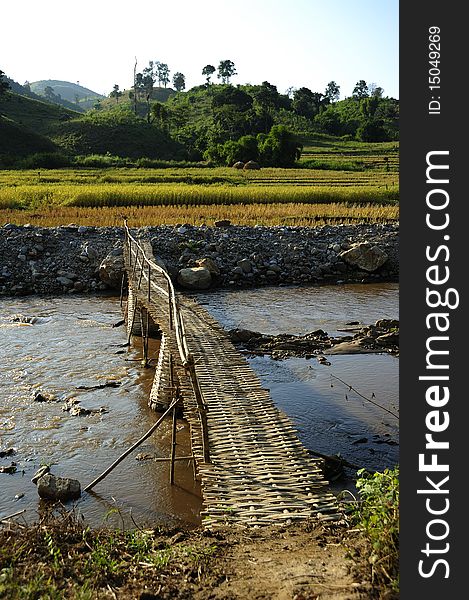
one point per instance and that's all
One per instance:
(78, 259)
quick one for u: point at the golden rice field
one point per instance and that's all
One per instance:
(241, 214)
(196, 195)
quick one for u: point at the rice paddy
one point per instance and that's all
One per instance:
(272, 196)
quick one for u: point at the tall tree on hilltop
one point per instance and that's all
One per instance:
(179, 81)
(4, 85)
(375, 90)
(332, 91)
(360, 90)
(135, 86)
(162, 73)
(208, 71)
(116, 93)
(148, 81)
(226, 70)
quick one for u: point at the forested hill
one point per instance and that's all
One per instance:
(220, 123)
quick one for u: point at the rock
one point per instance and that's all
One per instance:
(195, 278)
(67, 274)
(43, 397)
(23, 319)
(65, 281)
(210, 265)
(245, 265)
(7, 452)
(11, 469)
(243, 335)
(111, 269)
(51, 487)
(388, 339)
(387, 323)
(222, 223)
(251, 164)
(238, 165)
(364, 256)
(39, 473)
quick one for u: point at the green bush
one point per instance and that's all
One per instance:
(46, 160)
(377, 513)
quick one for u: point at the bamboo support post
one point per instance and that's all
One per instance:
(149, 282)
(201, 409)
(129, 450)
(122, 289)
(143, 336)
(173, 442)
(132, 322)
(147, 334)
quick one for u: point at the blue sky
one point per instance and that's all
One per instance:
(290, 43)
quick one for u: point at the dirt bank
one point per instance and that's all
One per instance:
(61, 558)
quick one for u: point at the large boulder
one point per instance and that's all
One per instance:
(210, 265)
(51, 487)
(365, 256)
(112, 268)
(195, 278)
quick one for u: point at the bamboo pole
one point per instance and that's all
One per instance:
(173, 429)
(132, 322)
(143, 336)
(173, 442)
(129, 450)
(122, 289)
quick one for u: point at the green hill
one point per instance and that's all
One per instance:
(18, 141)
(117, 132)
(73, 93)
(36, 115)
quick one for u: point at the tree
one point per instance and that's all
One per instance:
(4, 85)
(116, 93)
(375, 91)
(280, 148)
(179, 81)
(360, 90)
(160, 114)
(162, 73)
(332, 92)
(307, 103)
(208, 71)
(226, 70)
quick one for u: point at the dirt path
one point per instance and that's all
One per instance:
(286, 564)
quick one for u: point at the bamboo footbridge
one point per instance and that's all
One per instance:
(252, 467)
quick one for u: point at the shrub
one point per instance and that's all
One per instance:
(378, 514)
(280, 148)
(46, 160)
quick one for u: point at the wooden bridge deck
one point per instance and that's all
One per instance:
(258, 471)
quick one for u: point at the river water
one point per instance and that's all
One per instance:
(73, 344)
(330, 417)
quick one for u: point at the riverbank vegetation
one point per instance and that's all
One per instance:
(61, 557)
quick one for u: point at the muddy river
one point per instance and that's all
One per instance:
(74, 345)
